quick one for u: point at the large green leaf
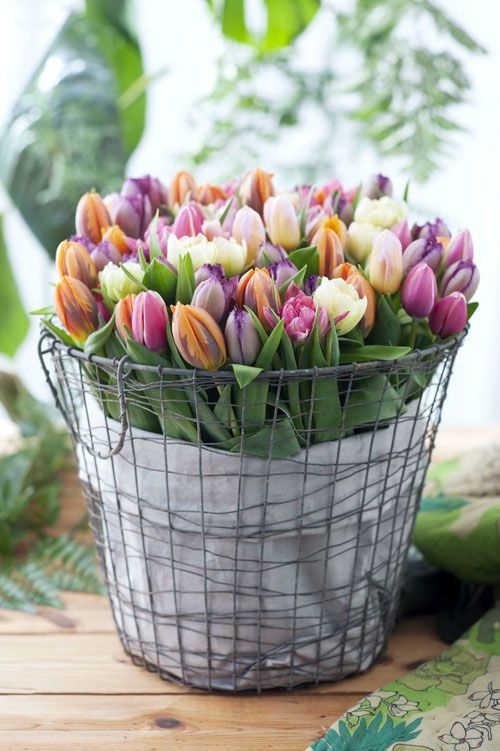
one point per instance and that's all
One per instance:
(15, 322)
(67, 133)
(286, 19)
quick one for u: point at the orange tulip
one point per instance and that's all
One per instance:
(364, 289)
(76, 307)
(117, 237)
(91, 216)
(123, 315)
(72, 259)
(330, 251)
(209, 193)
(257, 290)
(198, 337)
(255, 189)
(338, 226)
(182, 183)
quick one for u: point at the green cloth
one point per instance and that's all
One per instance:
(451, 703)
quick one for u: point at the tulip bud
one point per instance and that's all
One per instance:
(255, 189)
(299, 314)
(149, 321)
(188, 221)
(402, 230)
(198, 337)
(123, 315)
(248, 226)
(73, 260)
(163, 232)
(383, 212)
(461, 276)
(132, 213)
(105, 253)
(257, 290)
(183, 183)
(385, 269)
(282, 271)
(340, 299)
(360, 239)
(91, 216)
(315, 217)
(269, 253)
(148, 186)
(338, 226)
(281, 222)
(209, 193)
(76, 308)
(117, 237)
(345, 210)
(449, 315)
(364, 289)
(419, 291)
(377, 186)
(215, 293)
(426, 249)
(115, 283)
(461, 248)
(330, 252)
(242, 338)
(437, 228)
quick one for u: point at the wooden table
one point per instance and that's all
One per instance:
(65, 682)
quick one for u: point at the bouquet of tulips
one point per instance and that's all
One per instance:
(240, 277)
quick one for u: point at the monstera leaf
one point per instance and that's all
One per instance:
(77, 121)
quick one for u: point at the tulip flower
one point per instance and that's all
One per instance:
(330, 252)
(461, 276)
(426, 249)
(383, 212)
(299, 314)
(76, 308)
(281, 222)
(209, 193)
(402, 230)
(337, 225)
(461, 248)
(163, 232)
(340, 299)
(310, 284)
(149, 321)
(377, 186)
(437, 228)
(248, 227)
(182, 185)
(282, 271)
(270, 253)
(345, 210)
(449, 315)
(91, 216)
(242, 338)
(73, 260)
(105, 253)
(419, 292)
(230, 254)
(123, 315)
(198, 337)
(148, 186)
(255, 189)
(102, 310)
(215, 293)
(132, 213)
(257, 290)
(83, 240)
(188, 221)
(117, 237)
(385, 268)
(364, 289)
(115, 283)
(360, 239)
(314, 219)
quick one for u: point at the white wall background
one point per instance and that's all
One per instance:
(466, 192)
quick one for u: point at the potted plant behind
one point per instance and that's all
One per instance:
(253, 381)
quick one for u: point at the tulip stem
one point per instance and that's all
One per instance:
(413, 333)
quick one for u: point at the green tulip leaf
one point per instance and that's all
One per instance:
(387, 329)
(307, 257)
(270, 347)
(297, 278)
(372, 399)
(161, 279)
(471, 309)
(245, 374)
(373, 352)
(185, 280)
(15, 322)
(60, 334)
(277, 441)
(97, 339)
(154, 243)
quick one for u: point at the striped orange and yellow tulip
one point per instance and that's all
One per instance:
(198, 337)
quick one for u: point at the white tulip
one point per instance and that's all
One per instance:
(341, 300)
(383, 212)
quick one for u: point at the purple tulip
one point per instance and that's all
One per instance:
(377, 186)
(147, 186)
(461, 276)
(310, 284)
(163, 231)
(344, 210)
(149, 321)
(449, 315)
(132, 213)
(419, 291)
(426, 249)
(208, 270)
(461, 248)
(242, 338)
(269, 253)
(402, 230)
(437, 228)
(214, 293)
(83, 240)
(104, 253)
(299, 314)
(282, 271)
(188, 221)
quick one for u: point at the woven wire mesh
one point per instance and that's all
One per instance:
(276, 561)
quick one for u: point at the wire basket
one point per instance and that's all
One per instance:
(277, 562)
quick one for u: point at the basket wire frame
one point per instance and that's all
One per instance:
(227, 570)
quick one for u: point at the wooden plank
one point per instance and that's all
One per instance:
(83, 613)
(95, 663)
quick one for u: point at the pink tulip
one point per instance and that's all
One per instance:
(149, 321)
(449, 315)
